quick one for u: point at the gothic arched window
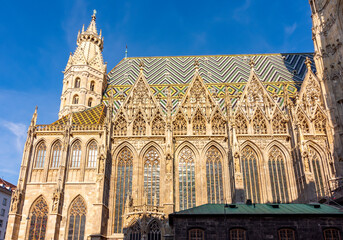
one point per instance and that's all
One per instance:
(214, 176)
(180, 125)
(186, 178)
(76, 155)
(76, 99)
(123, 186)
(316, 162)
(77, 82)
(40, 155)
(158, 126)
(278, 177)
(77, 219)
(238, 234)
(56, 155)
(135, 231)
(286, 234)
(199, 124)
(38, 219)
(152, 176)
(196, 234)
(218, 124)
(154, 231)
(251, 174)
(241, 124)
(279, 124)
(139, 127)
(90, 100)
(319, 122)
(259, 123)
(120, 126)
(92, 85)
(92, 155)
(302, 121)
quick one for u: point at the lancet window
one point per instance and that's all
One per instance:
(251, 174)
(316, 162)
(90, 100)
(56, 155)
(92, 155)
(180, 125)
(158, 126)
(279, 124)
(38, 219)
(123, 186)
(77, 82)
(218, 124)
(302, 121)
(135, 231)
(40, 155)
(76, 99)
(154, 231)
(199, 124)
(214, 176)
(76, 155)
(139, 126)
(120, 126)
(92, 85)
(278, 177)
(152, 176)
(259, 123)
(77, 219)
(241, 124)
(319, 123)
(186, 178)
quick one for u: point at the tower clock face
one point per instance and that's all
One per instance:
(321, 4)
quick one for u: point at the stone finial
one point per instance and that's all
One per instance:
(308, 62)
(94, 14)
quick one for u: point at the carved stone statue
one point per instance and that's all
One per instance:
(55, 201)
(237, 162)
(306, 162)
(15, 201)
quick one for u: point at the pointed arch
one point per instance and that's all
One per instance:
(186, 169)
(214, 175)
(199, 124)
(56, 154)
(303, 121)
(218, 124)
(152, 162)
(278, 176)
(120, 125)
(241, 123)
(158, 125)
(75, 154)
(76, 99)
(279, 124)
(259, 122)
(251, 174)
(77, 219)
(319, 122)
(123, 187)
(38, 219)
(317, 169)
(92, 154)
(139, 125)
(40, 155)
(77, 82)
(134, 231)
(180, 124)
(154, 230)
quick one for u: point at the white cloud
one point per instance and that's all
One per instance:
(19, 130)
(239, 15)
(289, 30)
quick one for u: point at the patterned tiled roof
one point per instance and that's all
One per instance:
(276, 71)
(95, 115)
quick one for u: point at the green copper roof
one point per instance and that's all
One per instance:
(260, 209)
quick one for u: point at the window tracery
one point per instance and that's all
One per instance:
(251, 174)
(135, 231)
(218, 124)
(180, 125)
(259, 123)
(316, 162)
(76, 155)
(278, 177)
(139, 126)
(40, 155)
(319, 123)
(186, 179)
(154, 231)
(38, 219)
(120, 126)
(197, 92)
(56, 155)
(279, 124)
(77, 219)
(92, 155)
(199, 124)
(214, 176)
(241, 124)
(158, 126)
(302, 121)
(123, 186)
(152, 176)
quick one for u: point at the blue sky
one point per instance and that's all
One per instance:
(37, 37)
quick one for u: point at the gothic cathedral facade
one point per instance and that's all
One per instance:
(158, 135)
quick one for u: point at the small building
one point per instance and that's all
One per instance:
(6, 190)
(258, 221)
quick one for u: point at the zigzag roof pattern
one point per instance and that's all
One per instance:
(276, 71)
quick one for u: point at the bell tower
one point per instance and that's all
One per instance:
(327, 34)
(85, 74)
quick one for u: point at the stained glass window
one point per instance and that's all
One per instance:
(214, 176)
(154, 231)
(332, 234)
(152, 176)
(40, 155)
(77, 219)
(56, 155)
(180, 125)
(139, 127)
(251, 174)
(196, 234)
(238, 234)
(186, 178)
(76, 155)
(199, 124)
(278, 177)
(317, 171)
(123, 186)
(38, 219)
(286, 234)
(92, 155)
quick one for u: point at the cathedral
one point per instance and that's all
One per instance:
(157, 135)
